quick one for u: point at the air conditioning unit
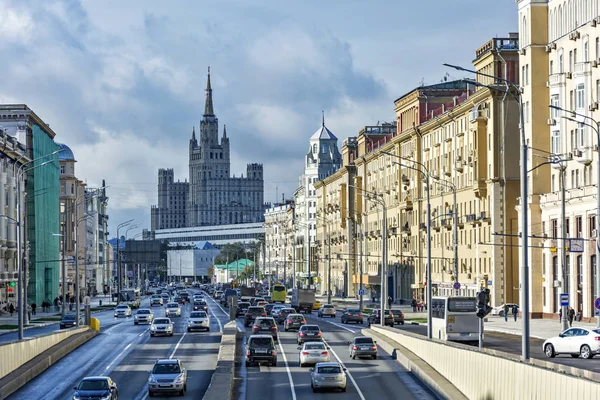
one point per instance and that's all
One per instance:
(593, 106)
(577, 153)
(594, 22)
(550, 47)
(595, 63)
(458, 167)
(594, 233)
(574, 35)
(468, 246)
(446, 171)
(568, 75)
(551, 121)
(547, 84)
(522, 52)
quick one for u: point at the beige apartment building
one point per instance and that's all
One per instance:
(465, 137)
(560, 54)
(278, 241)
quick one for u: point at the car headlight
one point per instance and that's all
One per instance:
(152, 328)
(151, 379)
(107, 397)
(76, 396)
(179, 379)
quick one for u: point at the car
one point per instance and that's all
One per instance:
(375, 317)
(578, 342)
(178, 299)
(313, 353)
(197, 297)
(252, 313)
(165, 296)
(156, 301)
(122, 310)
(329, 375)
(500, 309)
(293, 321)
(316, 305)
(261, 348)
(185, 296)
(161, 326)
(308, 333)
(266, 326)
(167, 376)
(327, 310)
(242, 307)
(200, 305)
(198, 320)
(261, 303)
(283, 313)
(352, 315)
(362, 346)
(173, 309)
(398, 317)
(275, 310)
(143, 315)
(68, 321)
(96, 387)
(218, 294)
(268, 299)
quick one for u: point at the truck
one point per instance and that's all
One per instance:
(248, 291)
(227, 294)
(303, 300)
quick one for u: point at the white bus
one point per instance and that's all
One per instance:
(455, 319)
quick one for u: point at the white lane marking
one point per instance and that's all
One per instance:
(289, 373)
(177, 345)
(347, 372)
(218, 320)
(341, 326)
(144, 332)
(117, 357)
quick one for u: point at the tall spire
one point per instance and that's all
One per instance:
(224, 131)
(208, 107)
(323, 113)
(194, 133)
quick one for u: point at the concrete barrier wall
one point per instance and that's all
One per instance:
(480, 375)
(222, 381)
(14, 354)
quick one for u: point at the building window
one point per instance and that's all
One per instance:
(62, 169)
(580, 96)
(571, 100)
(580, 136)
(592, 225)
(554, 224)
(578, 227)
(555, 142)
(555, 101)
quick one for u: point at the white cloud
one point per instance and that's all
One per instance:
(15, 25)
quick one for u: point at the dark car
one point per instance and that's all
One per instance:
(294, 321)
(68, 321)
(96, 387)
(252, 313)
(200, 305)
(265, 326)
(362, 346)
(375, 317)
(269, 308)
(261, 348)
(352, 315)
(242, 307)
(398, 317)
(283, 313)
(178, 299)
(308, 333)
(185, 296)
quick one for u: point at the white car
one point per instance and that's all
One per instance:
(122, 311)
(173, 309)
(327, 310)
(142, 316)
(161, 326)
(500, 309)
(584, 342)
(275, 310)
(156, 300)
(198, 320)
(313, 352)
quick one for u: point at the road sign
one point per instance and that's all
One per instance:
(456, 285)
(361, 292)
(70, 260)
(87, 300)
(597, 303)
(576, 245)
(564, 299)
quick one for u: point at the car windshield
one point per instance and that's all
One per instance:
(353, 310)
(160, 369)
(329, 370)
(596, 331)
(288, 311)
(256, 310)
(265, 322)
(314, 346)
(296, 318)
(161, 321)
(363, 340)
(260, 342)
(327, 306)
(93, 384)
(122, 307)
(69, 317)
(143, 312)
(198, 314)
(175, 305)
(310, 328)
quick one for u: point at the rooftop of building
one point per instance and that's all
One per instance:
(66, 154)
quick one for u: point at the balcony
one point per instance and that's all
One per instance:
(447, 223)
(406, 229)
(558, 79)
(423, 226)
(480, 187)
(582, 68)
(406, 204)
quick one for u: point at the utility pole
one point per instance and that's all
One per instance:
(360, 265)
(563, 244)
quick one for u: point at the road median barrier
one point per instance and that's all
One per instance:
(222, 382)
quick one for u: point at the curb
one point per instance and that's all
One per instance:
(513, 333)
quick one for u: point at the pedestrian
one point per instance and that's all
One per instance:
(560, 315)
(515, 310)
(413, 303)
(389, 299)
(56, 303)
(506, 313)
(33, 307)
(571, 315)
(11, 309)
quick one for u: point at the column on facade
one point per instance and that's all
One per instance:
(10, 208)
(4, 223)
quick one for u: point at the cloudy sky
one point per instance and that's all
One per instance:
(122, 82)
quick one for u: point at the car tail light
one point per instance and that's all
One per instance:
(349, 314)
(263, 315)
(248, 352)
(319, 334)
(354, 347)
(274, 353)
(274, 328)
(373, 347)
(324, 353)
(254, 327)
(360, 315)
(305, 353)
(248, 314)
(281, 315)
(597, 338)
(301, 333)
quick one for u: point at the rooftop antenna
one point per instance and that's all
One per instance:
(422, 81)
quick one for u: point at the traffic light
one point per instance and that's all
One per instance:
(344, 209)
(358, 199)
(13, 283)
(483, 300)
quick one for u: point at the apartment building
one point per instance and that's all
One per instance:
(278, 241)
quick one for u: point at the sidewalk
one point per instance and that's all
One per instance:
(538, 328)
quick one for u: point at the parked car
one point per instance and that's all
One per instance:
(362, 346)
(261, 348)
(500, 309)
(265, 326)
(143, 315)
(96, 387)
(283, 313)
(252, 313)
(398, 317)
(161, 326)
(293, 321)
(173, 309)
(327, 310)
(352, 315)
(198, 320)
(308, 333)
(330, 375)
(578, 342)
(375, 317)
(122, 310)
(69, 321)
(167, 376)
(313, 352)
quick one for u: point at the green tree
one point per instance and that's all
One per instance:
(231, 252)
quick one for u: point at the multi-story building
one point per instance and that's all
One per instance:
(278, 254)
(95, 244)
(41, 197)
(212, 196)
(13, 157)
(560, 54)
(465, 138)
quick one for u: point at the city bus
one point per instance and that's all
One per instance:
(131, 297)
(455, 319)
(278, 293)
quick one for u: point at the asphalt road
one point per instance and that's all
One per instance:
(126, 353)
(379, 379)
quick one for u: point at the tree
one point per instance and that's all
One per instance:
(231, 252)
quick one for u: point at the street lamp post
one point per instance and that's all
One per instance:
(119, 277)
(455, 229)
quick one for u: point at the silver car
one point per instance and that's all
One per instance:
(329, 375)
(313, 353)
(122, 311)
(142, 316)
(362, 346)
(161, 326)
(173, 309)
(167, 376)
(156, 300)
(198, 320)
(327, 310)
